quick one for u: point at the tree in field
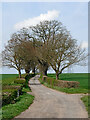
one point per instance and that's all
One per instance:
(37, 43)
(20, 52)
(63, 51)
(59, 50)
(11, 56)
(45, 45)
(43, 32)
(29, 45)
(27, 52)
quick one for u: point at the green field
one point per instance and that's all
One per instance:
(82, 78)
(8, 79)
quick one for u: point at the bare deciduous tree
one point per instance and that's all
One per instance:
(43, 32)
(27, 52)
(58, 50)
(11, 56)
(47, 43)
(63, 51)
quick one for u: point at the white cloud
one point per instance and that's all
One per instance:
(50, 15)
(84, 45)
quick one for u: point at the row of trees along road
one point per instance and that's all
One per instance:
(47, 44)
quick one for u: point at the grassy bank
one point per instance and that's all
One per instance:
(66, 90)
(86, 101)
(11, 110)
(20, 103)
(8, 79)
(80, 77)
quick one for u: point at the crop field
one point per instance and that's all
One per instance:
(82, 78)
(8, 79)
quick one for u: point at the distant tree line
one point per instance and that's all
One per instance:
(47, 44)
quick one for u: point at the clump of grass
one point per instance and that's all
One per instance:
(26, 89)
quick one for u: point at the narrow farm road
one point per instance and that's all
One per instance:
(50, 103)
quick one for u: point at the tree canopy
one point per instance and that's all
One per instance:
(47, 44)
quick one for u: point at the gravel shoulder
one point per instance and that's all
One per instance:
(49, 103)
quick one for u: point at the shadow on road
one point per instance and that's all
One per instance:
(35, 84)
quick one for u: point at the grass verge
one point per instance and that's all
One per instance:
(82, 78)
(66, 90)
(21, 103)
(26, 89)
(86, 102)
(11, 110)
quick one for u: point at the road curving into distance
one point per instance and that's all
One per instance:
(50, 103)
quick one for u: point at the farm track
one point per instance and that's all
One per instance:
(50, 103)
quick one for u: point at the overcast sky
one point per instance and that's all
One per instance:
(73, 15)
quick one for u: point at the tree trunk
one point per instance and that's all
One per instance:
(57, 76)
(27, 71)
(43, 67)
(44, 72)
(33, 70)
(19, 71)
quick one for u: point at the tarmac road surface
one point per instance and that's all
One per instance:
(49, 103)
